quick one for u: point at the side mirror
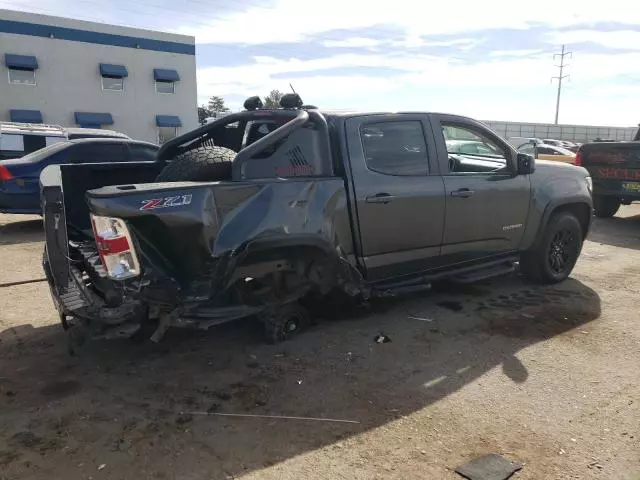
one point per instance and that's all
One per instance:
(526, 164)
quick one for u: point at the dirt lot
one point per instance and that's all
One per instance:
(546, 376)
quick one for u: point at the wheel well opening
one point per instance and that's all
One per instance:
(581, 211)
(293, 267)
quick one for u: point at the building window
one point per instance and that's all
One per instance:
(167, 127)
(22, 69)
(111, 83)
(165, 80)
(22, 77)
(113, 76)
(166, 133)
(165, 87)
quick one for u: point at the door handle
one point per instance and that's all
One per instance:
(380, 198)
(463, 192)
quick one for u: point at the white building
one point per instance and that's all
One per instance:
(74, 73)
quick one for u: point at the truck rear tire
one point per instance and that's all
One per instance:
(553, 259)
(285, 322)
(605, 206)
(202, 164)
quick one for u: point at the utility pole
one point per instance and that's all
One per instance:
(562, 66)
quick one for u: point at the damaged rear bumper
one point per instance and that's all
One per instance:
(76, 302)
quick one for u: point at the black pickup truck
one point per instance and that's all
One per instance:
(615, 169)
(259, 212)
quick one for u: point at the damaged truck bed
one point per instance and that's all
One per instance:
(261, 211)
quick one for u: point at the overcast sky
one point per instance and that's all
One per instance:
(488, 59)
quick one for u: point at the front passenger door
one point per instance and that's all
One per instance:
(486, 201)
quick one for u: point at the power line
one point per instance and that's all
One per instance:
(562, 66)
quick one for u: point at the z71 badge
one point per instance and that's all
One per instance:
(165, 202)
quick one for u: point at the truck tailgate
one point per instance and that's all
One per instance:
(615, 167)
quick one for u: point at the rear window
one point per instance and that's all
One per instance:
(98, 153)
(45, 152)
(17, 145)
(142, 153)
(300, 154)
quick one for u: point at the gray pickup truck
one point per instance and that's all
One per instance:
(261, 211)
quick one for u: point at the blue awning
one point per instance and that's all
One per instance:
(85, 119)
(168, 121)
(113, 71)
(25, 116)
(23, 62)
(164, 75)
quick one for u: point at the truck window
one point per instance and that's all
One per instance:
(395, 147)
(298, 155)
(487, 155)
(527, 148)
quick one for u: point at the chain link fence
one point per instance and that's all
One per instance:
(572, 133)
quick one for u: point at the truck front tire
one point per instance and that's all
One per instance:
(554, 257)
(202, 164)
(605, 206)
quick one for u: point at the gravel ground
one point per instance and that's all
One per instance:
(547, 376)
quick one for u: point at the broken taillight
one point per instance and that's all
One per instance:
(578, 162)
(115, 247)
(5, 174)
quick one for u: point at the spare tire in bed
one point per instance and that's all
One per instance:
(201, 164)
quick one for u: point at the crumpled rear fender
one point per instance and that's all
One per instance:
(230, 224)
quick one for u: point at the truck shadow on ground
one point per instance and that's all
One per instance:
(617, 231)
(142, 409)
(21, 232)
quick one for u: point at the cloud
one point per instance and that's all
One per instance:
(620, 39)
(516, 53)
(352, 42)
(486, 59)
(285, 21)
(491, 87)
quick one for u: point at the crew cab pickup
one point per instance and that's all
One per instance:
(259, 211)
(615, 169)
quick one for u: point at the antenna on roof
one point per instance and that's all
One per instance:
(306, 107)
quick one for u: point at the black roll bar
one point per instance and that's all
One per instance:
(172, 147)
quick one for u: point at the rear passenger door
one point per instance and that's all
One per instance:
(399, 193)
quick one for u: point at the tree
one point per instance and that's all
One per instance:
(203, 113)
(216, 105)
(273, 99)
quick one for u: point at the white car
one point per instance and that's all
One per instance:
(20, 139)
